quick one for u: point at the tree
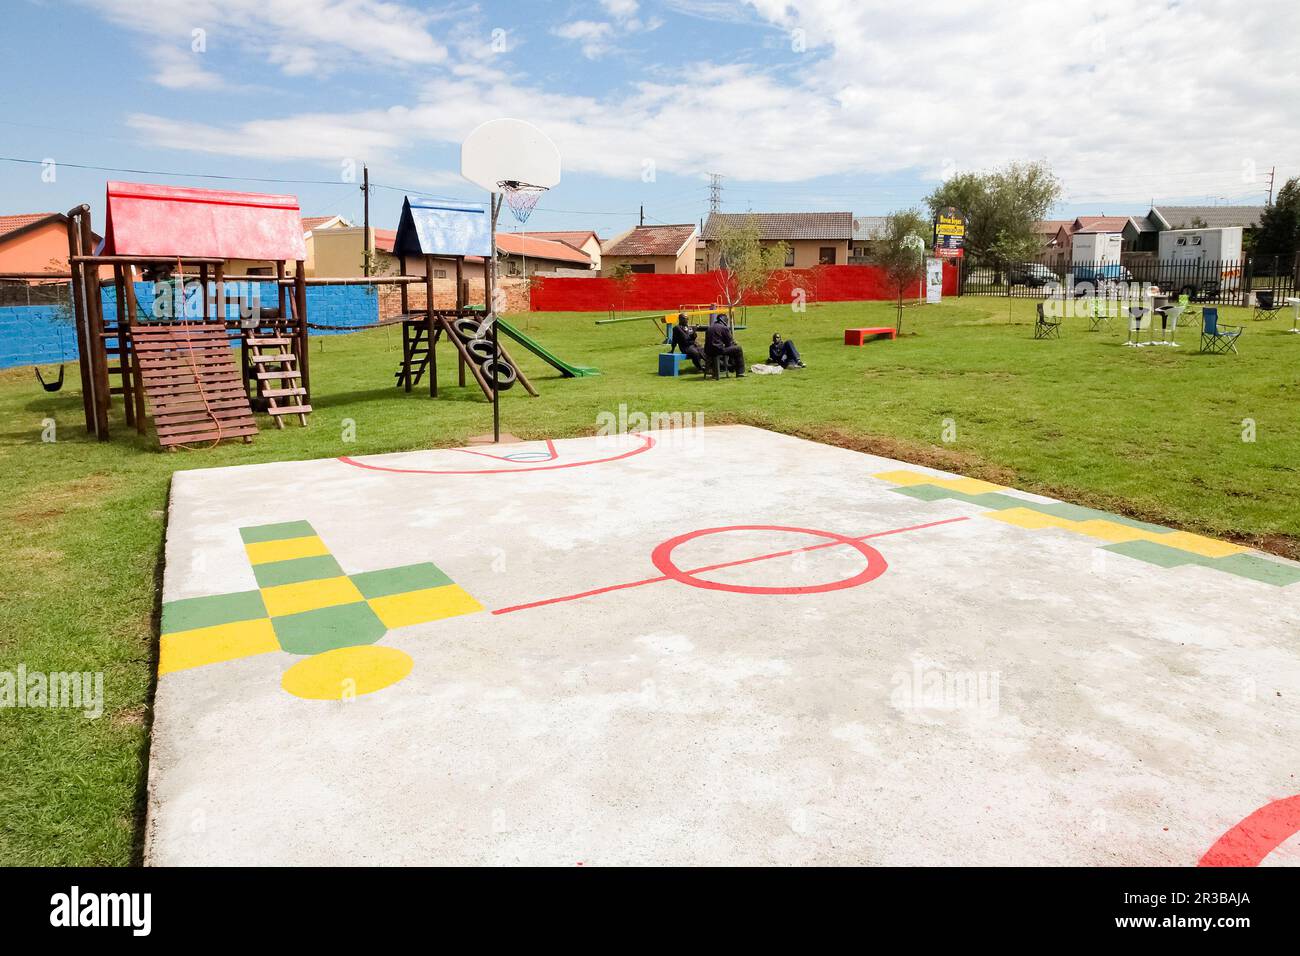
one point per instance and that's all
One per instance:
(901, 253)
(746, 263)
(623, 277)
(1279, 224)
(1000, 206)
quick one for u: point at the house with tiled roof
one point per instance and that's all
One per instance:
(811, 238)
(664, 250)
(584, 240)
(34, 242)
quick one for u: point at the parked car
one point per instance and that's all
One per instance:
(1093, 280)
(1032, 274)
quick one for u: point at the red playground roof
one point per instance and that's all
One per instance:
(146, 220)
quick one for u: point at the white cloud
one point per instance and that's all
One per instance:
(1125, 100)
(594, 37)
(183, 70)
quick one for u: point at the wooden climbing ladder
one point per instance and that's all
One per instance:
(274, 371)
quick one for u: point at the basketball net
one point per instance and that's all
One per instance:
(522, 198)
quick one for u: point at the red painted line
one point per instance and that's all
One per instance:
(647, 442)
(1257, 836)
(722, 564)
(550, 446)
(206, 201)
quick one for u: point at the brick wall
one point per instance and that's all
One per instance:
(444, 295)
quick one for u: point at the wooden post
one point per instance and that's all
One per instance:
(460, 307)
(77, 292)
(128, 400)
(95, 333)
(428, 320)
(126, 340)
(300, 345)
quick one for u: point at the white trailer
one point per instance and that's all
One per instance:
(1096, 248)
(1196, 260)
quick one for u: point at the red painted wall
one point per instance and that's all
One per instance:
(654, 292)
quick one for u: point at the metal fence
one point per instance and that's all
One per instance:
(1221, 282)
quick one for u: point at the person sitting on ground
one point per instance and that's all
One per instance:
(719, 342)
(687, 342)
(783, 353)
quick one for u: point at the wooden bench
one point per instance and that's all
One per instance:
(863, 336)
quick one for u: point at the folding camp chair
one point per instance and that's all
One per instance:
(1099, 315)
(1139, 318)
(1268, 305)
(1217, 339)
(1045, 328)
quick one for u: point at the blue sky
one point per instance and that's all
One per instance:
(819, 104)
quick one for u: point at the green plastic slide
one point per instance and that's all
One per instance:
(567, 370)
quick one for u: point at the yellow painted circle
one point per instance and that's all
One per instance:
(346, 672)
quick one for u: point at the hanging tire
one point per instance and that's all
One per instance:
(466, 328)
(480, 350)
(502, 374)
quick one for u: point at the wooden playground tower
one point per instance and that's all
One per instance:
(175, 363)
(430, 232)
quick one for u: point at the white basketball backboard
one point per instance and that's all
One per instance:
(509, 150)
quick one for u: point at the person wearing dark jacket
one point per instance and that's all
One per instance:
(718, 341)
(687, 342)
(783, 353)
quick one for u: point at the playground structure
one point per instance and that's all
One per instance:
(170, 359)
(175, 361)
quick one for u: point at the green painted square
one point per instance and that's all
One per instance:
(189, 613)
(923, 492)
(410, 577)
(276, 532)
(1258, 569)
(311, 632)
(1158, 554)
(296, 569)
(995, 500)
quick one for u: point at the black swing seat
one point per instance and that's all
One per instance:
(53, 386)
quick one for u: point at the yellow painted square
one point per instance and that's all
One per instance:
(286, 599)
(1198, 544)
(1027, 518)
(969, 486)
(182, 650)
(904, 477)
(419, 607)
(308, 546)
(1113, 531)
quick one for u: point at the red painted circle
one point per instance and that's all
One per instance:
(1254, 838)
(662, 559)
(647, 442)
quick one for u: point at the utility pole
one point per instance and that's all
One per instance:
(1271, 173)
(365, 240)
(715, 192)
(643, 215)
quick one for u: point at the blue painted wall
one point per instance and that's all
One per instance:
(44, 334)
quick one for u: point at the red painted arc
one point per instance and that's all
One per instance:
(1254, 838)
(647, 442)
(550, 447)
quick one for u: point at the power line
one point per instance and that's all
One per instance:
(159, 172)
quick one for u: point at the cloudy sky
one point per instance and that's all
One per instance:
(813, 104)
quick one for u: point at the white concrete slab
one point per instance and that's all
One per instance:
(992, 695)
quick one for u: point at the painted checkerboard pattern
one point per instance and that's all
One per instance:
(1147, 542)
(304, 603)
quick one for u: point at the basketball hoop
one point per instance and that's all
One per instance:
(522, 198)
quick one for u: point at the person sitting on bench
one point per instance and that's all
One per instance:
(720, 344)
(687, 342)
(783, 353)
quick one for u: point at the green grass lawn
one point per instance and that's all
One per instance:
(1155, 433)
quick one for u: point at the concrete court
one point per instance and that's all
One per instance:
(1000, 679)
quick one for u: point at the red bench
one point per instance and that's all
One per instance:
(863, 336)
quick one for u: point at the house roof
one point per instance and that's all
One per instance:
(1050, 227)
(1099, 224)
(26, 220)
(315, 222)
(385, 239)
(866, 228)
(520, 244)
(666, 240)
(149, 220)
(574, 237)
(776, 226)
(1214, 217)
